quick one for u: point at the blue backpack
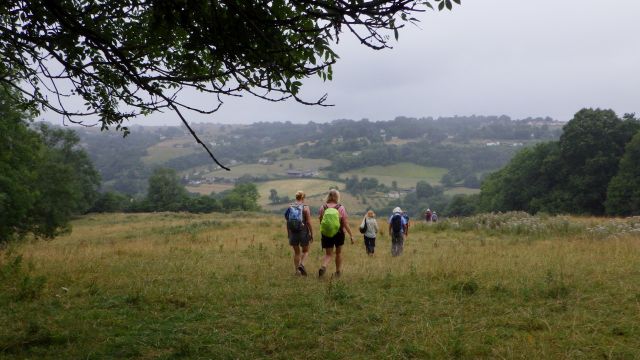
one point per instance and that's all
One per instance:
(294, 216)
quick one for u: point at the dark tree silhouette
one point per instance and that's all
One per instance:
(125, 58)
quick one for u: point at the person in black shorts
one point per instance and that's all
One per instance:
(336, 241)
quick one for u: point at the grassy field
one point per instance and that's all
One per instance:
(206, 189)
(166, 150)
(461, 190)
(278, 167)
(167, 285)
(405, 174)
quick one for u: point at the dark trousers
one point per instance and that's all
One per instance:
(397, 244)
(369, 244)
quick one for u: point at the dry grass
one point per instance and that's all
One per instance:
(221, 286)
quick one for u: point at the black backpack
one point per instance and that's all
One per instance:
(396, 223)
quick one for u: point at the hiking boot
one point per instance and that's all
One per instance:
(322, 271)
(302, 270)
(336, 274)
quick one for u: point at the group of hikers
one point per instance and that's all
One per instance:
(334, 226)
(430, 216)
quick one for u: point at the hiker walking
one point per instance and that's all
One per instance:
(434, 217)
(299, 231)
(427, 215)
(333, 223)
(397, 231)
(369, 227)
(405, 216)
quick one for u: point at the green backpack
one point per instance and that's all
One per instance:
(330, 224)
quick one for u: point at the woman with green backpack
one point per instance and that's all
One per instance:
(333, 224)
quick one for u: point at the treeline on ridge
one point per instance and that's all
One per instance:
(593, 169)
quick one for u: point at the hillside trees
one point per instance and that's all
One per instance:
(424, 190)
(125, 58)
(623, 194)
(242, 197)
(590, 149)
(568, 176)
(20, 148)
(45, 177)
(165, 192)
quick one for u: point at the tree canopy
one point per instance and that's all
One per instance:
(45, 177)
(125, 58)
(573, 175)
(623, 194)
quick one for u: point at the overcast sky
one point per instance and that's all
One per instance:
(491, 57)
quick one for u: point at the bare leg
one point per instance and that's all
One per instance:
(296, 256)
(327, 257)
(338, 259)
(305, 254)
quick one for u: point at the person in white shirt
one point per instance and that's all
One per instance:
(371, 225)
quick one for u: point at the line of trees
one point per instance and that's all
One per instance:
(45, 176)
(166, 193)
(592, 169)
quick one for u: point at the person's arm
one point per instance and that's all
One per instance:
(344, 219)
(307, 220)
(348, 228)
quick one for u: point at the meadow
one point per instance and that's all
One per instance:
(405, 174)
(174, 285)
(278, 167)
(167, 150)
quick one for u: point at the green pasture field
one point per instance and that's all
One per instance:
(206, 189)
(396, 141)
(216, 286)
(405, 174)
(461, 190)
(165, 151)
(277, 168)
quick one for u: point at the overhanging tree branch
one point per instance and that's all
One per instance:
(126, 58)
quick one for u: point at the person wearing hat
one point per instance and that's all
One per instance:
(397, 231)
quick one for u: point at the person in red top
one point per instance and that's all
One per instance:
(328, 244)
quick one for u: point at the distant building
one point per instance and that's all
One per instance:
(393, 195)
(497, 143)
